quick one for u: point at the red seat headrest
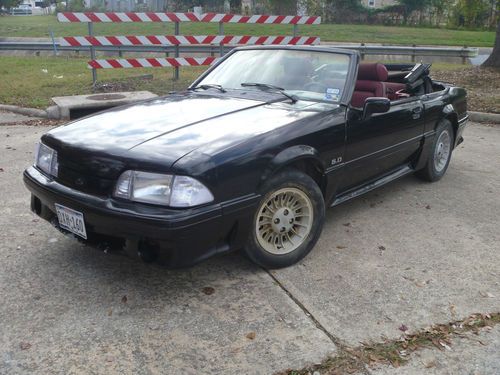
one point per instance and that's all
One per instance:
(372, 72)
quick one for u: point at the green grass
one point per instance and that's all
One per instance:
(39, 26)
(25, 83)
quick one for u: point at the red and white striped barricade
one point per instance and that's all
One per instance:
(177, 40)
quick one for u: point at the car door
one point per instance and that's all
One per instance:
(383, 141)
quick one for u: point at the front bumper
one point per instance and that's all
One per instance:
(177, 237)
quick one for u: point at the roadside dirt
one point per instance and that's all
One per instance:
(482, 84)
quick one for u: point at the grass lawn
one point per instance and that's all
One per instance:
(32, 81)
(39, 26)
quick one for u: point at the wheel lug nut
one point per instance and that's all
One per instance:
(285, 212)
(291, 221)
(282, 229)
(276, 221)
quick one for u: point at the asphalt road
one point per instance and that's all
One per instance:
(409, 253)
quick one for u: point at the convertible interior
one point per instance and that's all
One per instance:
(392, 81)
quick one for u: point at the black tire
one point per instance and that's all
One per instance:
(431, 172)
(303, 192)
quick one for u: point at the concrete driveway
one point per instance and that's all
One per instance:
(410, 254)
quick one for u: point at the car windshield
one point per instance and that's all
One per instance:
(307, 75)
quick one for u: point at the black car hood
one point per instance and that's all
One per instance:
(124, 127)
(162, 130)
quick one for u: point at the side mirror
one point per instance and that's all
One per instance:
(376, 105)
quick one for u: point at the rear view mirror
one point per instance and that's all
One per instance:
(376, 105)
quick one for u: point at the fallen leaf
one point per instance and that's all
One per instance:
(110, 312)
(381, 247)
(341, 247)
(447, 347)
(1, 169)
(486, 294)
(403, 328)
(124, 299)
(251, 335)
(437, 344)
(208, 290)
(428, 207)
(346, 224)
(25, 345)
(430, 364)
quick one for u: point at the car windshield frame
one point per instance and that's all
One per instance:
(342, 97)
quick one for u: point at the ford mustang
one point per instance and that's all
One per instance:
(248, 157)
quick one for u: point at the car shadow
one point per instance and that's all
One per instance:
(95, 268)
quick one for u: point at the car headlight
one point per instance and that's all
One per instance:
(46, 159)
(162, 189)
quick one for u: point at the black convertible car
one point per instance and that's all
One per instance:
(248, 157)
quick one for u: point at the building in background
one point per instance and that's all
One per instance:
(378, 3)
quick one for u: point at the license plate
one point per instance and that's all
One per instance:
(71, 220)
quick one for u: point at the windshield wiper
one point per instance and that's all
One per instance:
(265, 86)
(209, 86)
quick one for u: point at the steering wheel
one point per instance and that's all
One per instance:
(337, 75)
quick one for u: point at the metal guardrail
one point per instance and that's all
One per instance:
(413, 51)
(49, 46)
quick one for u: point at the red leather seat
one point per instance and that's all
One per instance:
(370, 83)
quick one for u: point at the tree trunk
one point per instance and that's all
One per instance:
(494, 59)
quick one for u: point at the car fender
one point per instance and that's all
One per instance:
(448, 113)
(293, 156)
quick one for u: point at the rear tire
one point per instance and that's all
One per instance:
(440, 153)
(288, 220)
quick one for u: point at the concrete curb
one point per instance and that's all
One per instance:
(32, 112)
(492, 118)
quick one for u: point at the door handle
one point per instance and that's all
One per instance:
(416, 112)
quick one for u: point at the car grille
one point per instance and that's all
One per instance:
(92, 175)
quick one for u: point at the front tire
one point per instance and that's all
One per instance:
(288, 220)
(440, 154)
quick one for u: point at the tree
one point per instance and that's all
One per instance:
(343, 11)
(494, 59)
(439, 9)
(472, 13)
(410, 6)
(235, 6)
(283, 6)
(7, 4)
